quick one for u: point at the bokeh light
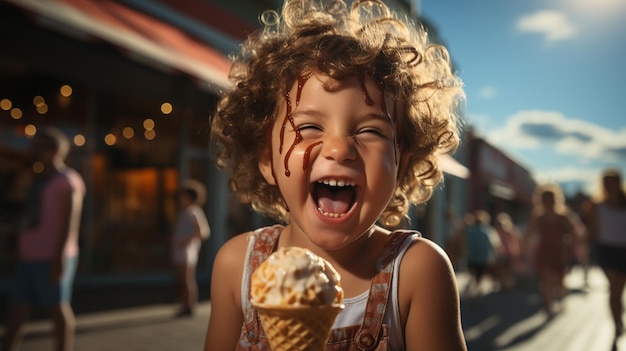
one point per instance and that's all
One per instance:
(30, 130)
(110, 139)
(148, 124)
(6, 104)
(16, 113)
(149, 134)
(79, 140)
(166, 108)
(65, 90)
(128, 132)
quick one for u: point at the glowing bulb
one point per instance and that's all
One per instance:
(30, 130)
(38, 100)
(79, 140)
(128, 132)
(66, 90)
(42, 109)
(148, 124)
(5, 104)
(16, 113)
(149, 134)
(166, 108)
(110, 139)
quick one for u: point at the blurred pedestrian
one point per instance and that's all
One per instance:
(580, 249)
(482, 242)
(191, 229)
(455, 245)
(48, 242)
(608, 231)
(586, 251)
(508, 253)
(552, 234)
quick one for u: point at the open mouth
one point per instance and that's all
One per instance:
(334, 198)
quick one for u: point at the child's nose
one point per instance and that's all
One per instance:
(339, 148)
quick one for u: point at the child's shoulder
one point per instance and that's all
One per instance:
(236, 248)
(424, 257)
(233, 251)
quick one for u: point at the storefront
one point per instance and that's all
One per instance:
(500, 183)
(135, 104)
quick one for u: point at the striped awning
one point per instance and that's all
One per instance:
(139, 36)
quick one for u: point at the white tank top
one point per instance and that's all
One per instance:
(611, 225)
(354, 310)
(355, 306)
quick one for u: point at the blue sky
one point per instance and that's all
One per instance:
(545, 80)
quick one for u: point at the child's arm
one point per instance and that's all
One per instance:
(429, 300)
(226, 317)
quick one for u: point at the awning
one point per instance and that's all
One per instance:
(141, 37)
(451, 166)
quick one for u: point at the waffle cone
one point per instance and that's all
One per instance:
(298, 328)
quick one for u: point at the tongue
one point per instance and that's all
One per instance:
(334, 201)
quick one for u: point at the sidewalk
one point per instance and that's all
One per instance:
(500, 321)
(150, 328)
(515, 321)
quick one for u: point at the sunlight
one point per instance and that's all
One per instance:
(519, 330)
(476, 331)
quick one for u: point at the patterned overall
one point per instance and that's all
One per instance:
(371, 334)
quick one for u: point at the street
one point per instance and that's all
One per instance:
(503, 321)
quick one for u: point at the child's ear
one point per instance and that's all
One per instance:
(265, 166)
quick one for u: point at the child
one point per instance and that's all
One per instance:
(336, 120)
(191, 229)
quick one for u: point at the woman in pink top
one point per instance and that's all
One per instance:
(48, 242)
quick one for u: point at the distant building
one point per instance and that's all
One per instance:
(498, 183)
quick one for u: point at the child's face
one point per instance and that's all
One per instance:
(333, 157)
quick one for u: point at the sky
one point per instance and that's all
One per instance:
(545, 81)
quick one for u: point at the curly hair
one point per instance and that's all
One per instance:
(366, 39)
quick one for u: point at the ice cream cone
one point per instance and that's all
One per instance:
(298, 328)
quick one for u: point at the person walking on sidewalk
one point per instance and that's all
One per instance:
(550, 236)
(508, 253)
(607, 229)
(191, 229)
(482, 244)
(48, 243)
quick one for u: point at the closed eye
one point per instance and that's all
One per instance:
(308, 127)
(374, 132)
(309, 131)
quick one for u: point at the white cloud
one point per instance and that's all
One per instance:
(487, 92)
(593, 146)
(554, 25)
(567, 136)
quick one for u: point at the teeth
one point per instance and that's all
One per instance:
(331, 215)
(336, 182)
